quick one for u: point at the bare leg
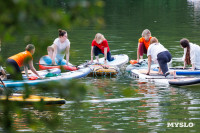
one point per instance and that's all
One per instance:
(173, 73)
(50, 51)
(97, 58)
(159, 71)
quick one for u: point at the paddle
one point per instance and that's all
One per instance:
(2, 83)
(46, 64)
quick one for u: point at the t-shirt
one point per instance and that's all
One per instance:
(194, 54)
(146, 44)
(61, 47)
(154, 49)
(22, 58)
(102, 45)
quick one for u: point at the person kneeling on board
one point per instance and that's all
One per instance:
(100, 46)
(191, 54)
(59, 49)
(21, 59)
(158, 53)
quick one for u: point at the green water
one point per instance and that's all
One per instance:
(152, 106)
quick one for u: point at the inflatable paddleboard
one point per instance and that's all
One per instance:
(119, 60)
(42, 72)
(185, 82)
(142, 64)
(32, 99)
(63, 76)
(153, 77)
(181, 71)
(45, 62)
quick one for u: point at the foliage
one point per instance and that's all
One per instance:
(20, 16)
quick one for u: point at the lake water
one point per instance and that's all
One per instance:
(147, 107)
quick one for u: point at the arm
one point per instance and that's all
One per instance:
(4, 76)
(92, 53)
(183, 58)
(26, 71)
(67, 54)
(184, 65)
(105, 55)
(54, 54)
(193, 57)
(149, 64)
(138, 56)
(33, 69)
(193, 66)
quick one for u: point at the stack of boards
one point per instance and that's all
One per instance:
(32, 99)
(157, 78)
(104, 70)
(153, 77)
(187, 81)
(110, 68)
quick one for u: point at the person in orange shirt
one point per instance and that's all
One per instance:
(22, 59)
(143, 44)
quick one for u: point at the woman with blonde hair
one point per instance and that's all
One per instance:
(159, 54)
(100, 46)
(191, 54)
(143, 44)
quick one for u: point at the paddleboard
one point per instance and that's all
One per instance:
(32, 99)
(153, 77)
(42, 72)
(142, 64)
(185, 82)
(181, 71)
(45, 62)
(63, 76)
(119, 60)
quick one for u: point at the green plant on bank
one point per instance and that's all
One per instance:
(16, 17)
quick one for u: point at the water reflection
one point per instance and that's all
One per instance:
(195, 5)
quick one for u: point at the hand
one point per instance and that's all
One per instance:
(67, 63)
(160, 72)
(105, 62)
(184, 67)
(53, 62)
(3, 77)
(147, 73)
(41, 77)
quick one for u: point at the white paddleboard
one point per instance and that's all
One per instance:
(119, 60)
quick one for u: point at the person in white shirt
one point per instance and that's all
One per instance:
(191, 54)
(159, 54)
(59, 48)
